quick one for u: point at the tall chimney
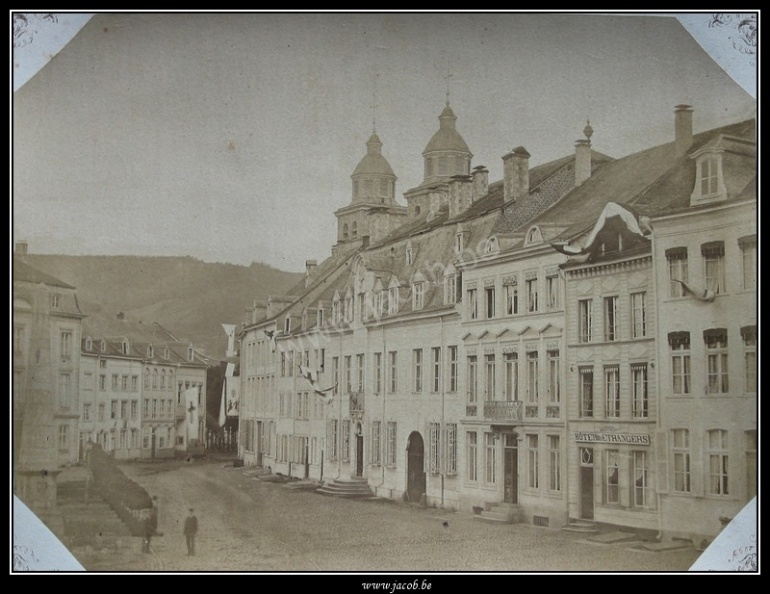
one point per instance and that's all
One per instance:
(583, 156)
(480, 182)
(309, 268)
(516, 174)
(460, 194)
(682, 128)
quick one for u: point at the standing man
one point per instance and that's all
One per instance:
(190, 530)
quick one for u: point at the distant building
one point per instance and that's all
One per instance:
(46, 366)
(135, 376)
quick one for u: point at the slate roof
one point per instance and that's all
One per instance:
(652, 181)
(23, 272)
(100, 326)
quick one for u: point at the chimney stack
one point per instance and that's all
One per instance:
(258, 311)
(309, 268)
(583, 156)
(480, 182)
(516, 174)
(460, 194)
(682, 128)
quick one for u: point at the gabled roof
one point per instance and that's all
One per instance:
(23, 272)
(652, 181)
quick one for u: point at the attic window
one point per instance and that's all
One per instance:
(409, 255)
(459, 240)
(418, 295)
(492, 245)
(54, 300)
(150, 352)
(709, 178)
(124, 347)
(89, 343)
(392, 300)
(190, 353)
(103, 346)
(165, 353)
(287, 324)
(534, 236)
(320, 317)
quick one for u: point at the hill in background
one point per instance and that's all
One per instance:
(191, 298)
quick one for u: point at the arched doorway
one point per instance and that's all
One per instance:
(415, 467)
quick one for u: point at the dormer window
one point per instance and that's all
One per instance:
(336, 310)
(393, 299)
(459, 240)
(124, 347)
(348, 308)
(409, 254)
(492, 246)
(450, 285)
(418, 295)
(287, 324)
(54, 300)
(304, 320)
(709, 175)
(165, 353)
(150, 352)
(534, 236)
(89, 343)
(103, 346)
(320, 317)
(190, 353)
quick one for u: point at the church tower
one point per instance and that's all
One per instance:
(447, 159)
(373, 211)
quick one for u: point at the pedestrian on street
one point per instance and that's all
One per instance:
(190, 530)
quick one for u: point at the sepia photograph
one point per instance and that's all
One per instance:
(389, 296)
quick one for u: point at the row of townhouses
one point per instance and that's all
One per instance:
(576, 341)
(81, 379)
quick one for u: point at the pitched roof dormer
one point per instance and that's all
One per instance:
(715, 164)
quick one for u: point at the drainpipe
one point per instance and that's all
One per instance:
(383, 391)
(441, 383)
(340, 361)
(659, 401)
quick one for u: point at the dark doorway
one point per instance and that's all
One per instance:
(415, 467)
(511, 469)
(359, 455)
(587, 483)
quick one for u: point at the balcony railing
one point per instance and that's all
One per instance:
(503, 410)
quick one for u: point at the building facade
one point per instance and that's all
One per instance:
(504, 346)
(46, 375)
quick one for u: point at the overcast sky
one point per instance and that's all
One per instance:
(232, 137)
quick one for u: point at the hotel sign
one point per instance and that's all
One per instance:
(621, 438)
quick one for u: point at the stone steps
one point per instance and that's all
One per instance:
(347, 488)
(581, 526)
(505, 513)
(85, 523)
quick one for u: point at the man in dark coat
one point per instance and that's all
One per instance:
(190, 530)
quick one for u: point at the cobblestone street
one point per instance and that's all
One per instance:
(247, 524)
